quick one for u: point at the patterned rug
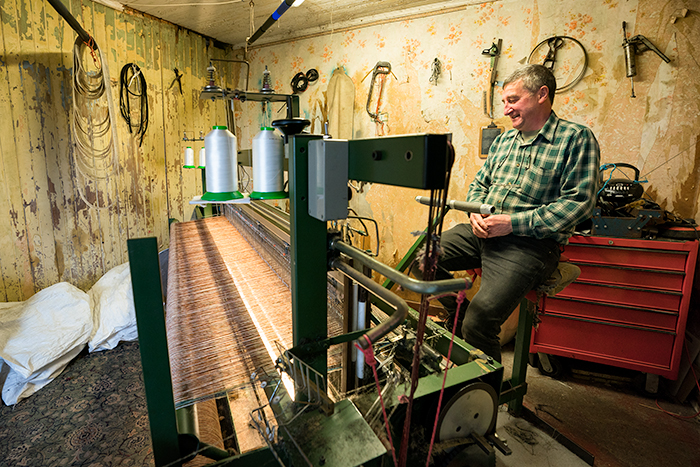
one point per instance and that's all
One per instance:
(94, 414)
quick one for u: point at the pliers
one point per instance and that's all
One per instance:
(178, 77)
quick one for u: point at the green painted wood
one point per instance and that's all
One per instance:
(153, 344)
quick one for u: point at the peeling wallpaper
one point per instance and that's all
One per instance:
(657, 131)
(50, 234)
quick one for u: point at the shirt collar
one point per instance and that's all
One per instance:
(549, 128)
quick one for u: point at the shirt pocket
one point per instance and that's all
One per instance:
(540, 183)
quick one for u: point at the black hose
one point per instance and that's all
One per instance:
(63, 11)
(125, 93)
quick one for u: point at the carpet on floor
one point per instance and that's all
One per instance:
(93, 414)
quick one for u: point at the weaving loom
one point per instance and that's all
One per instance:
(256, 305)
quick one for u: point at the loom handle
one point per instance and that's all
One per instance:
(408, 283)
(396, 318)
(479, 208)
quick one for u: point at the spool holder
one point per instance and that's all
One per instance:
(292, 100)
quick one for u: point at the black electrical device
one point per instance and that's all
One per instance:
(620, 191)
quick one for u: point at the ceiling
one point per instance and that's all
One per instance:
(228, 21)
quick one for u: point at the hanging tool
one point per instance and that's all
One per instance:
(381, 68)
(555, 43)
(435, 71)
(494, 52)
(178, 78)
(634, 46)
(489, 133)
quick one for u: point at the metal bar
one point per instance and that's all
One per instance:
(413, 161)
(153, 345)
(411, 253)
(396, 318)
(187, 421)
(414, 285)
(272, 19)
(308, 255)
(461, 205)
(520, 357)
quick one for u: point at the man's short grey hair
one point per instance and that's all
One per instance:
(534, 77)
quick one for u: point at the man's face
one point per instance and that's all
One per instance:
(522, 107)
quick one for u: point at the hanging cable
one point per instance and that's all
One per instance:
(96, 155)
(130, 78)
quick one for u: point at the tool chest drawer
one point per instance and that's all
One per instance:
(628, 308)
(587, 309)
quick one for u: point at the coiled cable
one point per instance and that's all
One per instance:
(96, 155)
(133, 84)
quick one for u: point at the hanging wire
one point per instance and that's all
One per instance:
(132, 83)
(96, 155)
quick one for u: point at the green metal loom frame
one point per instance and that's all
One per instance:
(407, 161)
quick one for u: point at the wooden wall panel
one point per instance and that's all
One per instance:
(51, 231)
(14, 252)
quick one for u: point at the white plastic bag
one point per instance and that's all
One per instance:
(39, 337)
(114, 317)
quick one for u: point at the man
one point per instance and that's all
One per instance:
(542, 178)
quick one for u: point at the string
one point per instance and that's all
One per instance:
(460, 299)
(669, 159)
(437, 205)
(372, 362)
(225, 309)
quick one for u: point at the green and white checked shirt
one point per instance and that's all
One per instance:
(547, 185)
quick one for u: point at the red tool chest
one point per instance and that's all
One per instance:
(628, 308)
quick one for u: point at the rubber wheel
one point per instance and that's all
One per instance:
(557, 367)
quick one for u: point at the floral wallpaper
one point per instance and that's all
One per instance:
(656, 131)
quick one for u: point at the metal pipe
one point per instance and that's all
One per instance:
(63, 11)
(462, 205)
(383, 328)
(421, 287)
(271, 20)
(231, 60)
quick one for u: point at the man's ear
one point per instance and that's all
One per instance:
(543, 94)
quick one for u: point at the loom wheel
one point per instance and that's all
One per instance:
(472, 409)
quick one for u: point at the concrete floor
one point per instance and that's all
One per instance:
(598, 408)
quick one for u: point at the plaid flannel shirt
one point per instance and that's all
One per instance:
(547, 185)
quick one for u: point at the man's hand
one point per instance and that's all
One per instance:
(490, 226)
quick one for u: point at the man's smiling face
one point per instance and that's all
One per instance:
(523, 107)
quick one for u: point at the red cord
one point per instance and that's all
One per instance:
(90, 45)
(697, 383)
(371, 361)
(460, 300)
